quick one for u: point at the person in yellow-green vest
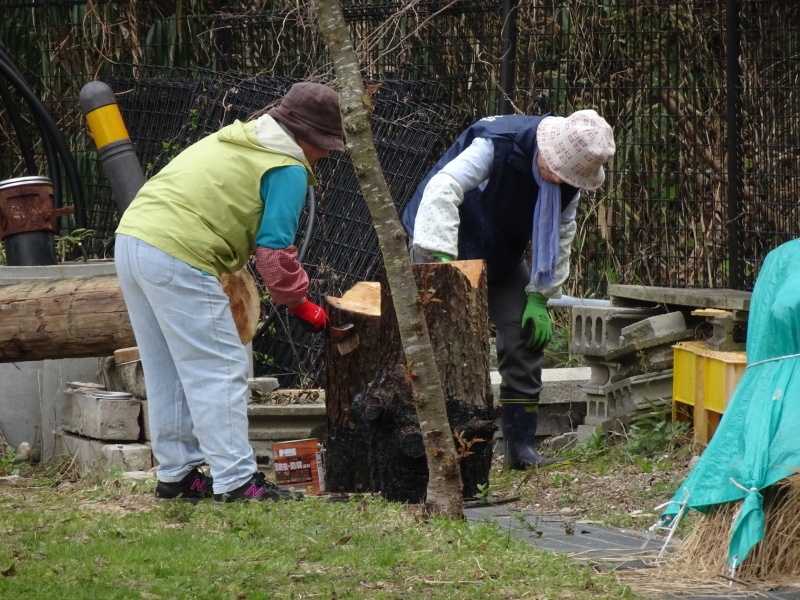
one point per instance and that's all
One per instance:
(233, 193)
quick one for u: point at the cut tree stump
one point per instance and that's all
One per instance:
(374, 442)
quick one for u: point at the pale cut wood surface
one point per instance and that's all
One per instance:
(365, 296)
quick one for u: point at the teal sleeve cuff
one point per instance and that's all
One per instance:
(283, 191)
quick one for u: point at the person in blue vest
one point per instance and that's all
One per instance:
(233, 194)
(506, 182)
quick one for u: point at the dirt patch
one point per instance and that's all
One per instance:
(611, 493)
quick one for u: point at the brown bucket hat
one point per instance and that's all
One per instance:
(311, 112)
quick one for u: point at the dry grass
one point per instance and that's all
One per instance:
(699, 564)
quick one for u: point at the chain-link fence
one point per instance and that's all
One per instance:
(703, 98)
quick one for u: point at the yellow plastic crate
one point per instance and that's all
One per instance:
(685, 371)
(700, 372)
(704, 379)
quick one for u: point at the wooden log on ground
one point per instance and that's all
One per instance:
(74, 317)
(79, 317)
(377, 442)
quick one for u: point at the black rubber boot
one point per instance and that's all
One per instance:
(518, 421)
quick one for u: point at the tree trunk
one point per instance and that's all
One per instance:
(378, 445)
(63, 318)
(444, 481)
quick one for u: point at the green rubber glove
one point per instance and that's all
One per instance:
(536, 324)
(441, 257)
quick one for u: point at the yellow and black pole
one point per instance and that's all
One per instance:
(122, 167)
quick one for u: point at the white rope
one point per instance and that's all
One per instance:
(741, 487)
(761, 362)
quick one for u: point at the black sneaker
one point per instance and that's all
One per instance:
(193, 488)
(258, 488)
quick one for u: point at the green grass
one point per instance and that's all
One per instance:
(82, 540)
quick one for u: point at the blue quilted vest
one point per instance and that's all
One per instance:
(497, 221)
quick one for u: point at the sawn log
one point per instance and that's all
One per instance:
(73, 317)
(374, 442)
(78, 317)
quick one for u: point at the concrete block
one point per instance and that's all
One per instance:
(653, 327)
(137, 476)
(13, 481)
(131, 457)
(261, 387)
(643, 391)
(692, 297)
(596, 330)
(126, 377)
(598, 410)
(560, 385)
(601, 373)
(584, 432)
(96, 457)
(559, 442)
(145, 421)
(555, 419)
(729, 329)
(89, 413)
(628, 396)
(649, 360)
(659, 331)
(563, 385)
(562, 402)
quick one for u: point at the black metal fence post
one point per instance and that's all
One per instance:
(735, 162)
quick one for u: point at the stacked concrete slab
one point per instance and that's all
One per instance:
(105, 426)
(562, 402)
(629, 353)
(103, 430)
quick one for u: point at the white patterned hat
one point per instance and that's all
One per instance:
(576, 147)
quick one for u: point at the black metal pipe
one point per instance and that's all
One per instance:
(735, 159)
(52, 133)
(30, 249)
(25, 146)
(51, 155)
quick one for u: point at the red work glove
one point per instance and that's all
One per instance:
(314, 318)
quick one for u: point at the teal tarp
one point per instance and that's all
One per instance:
(757, 442)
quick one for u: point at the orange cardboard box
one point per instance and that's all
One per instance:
(298, 465)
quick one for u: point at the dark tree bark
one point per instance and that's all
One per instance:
(370, 396)
(347, 375)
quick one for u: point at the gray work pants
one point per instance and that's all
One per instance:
(520, 368)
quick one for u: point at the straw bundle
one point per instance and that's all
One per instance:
(700, 563)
